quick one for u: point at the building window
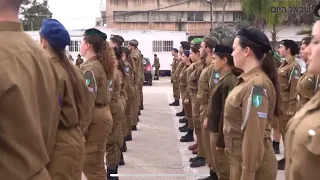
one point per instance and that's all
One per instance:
(162, 46)
(74, 46)
(195, 16)
(237, 16)
(125, 43)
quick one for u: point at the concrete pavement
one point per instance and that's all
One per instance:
(155, 152)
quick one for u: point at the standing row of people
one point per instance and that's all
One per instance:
(60, 120)
(234, 96)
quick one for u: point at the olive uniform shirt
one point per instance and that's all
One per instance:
(303, 142)
(217, 101)
(308, 85)
(129, 80)
(98, 85)
(156, 63)
(183, 81)
(29, 103)
(289, 74)
(248, 114)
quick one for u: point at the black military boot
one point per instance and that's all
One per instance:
(281, 164)
(188, 137)
(213, 176)
(112, 171)
(141, 107)
(193, 159)
(183, 120)
(276, 147)
(184, 128)
(128, 138)
(134, 128)
(182, 113)
(124, 146)
(200, 161)
(175, 103)
(121, 162)
(139, 113)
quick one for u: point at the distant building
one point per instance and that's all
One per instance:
(175, 15)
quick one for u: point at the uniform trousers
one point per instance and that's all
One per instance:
(268, 168)
(220, 159)
(66, 162)
(113, 148)
(95, 145)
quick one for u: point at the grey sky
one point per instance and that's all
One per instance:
(75, 14)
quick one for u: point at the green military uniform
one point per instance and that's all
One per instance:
(156, 65)
(137, 80)
(99, 122)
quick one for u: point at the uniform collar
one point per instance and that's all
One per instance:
(224, 75)
(90, 59)
(247, 76)
(291, 60)
(11, 26)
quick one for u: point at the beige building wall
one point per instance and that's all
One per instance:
(193, 17)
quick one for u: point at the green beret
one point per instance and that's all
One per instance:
(211, 40)
(277, 56)
(134, 42)
(96, 33)
(196, 41)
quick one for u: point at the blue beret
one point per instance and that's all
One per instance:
(222, 49)
(186, 52)
(175, 49)
(55, 33)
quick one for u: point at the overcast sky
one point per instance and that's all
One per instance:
(75, 14)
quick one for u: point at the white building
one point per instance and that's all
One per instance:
(158, 42)
(150, 42)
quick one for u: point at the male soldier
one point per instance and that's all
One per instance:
(79, 61)
(288, 74)
(176, 92)
(184, 46)
(133, 44)
(116, 42)
(28, 86)
(156, 64)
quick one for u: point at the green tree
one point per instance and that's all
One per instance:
(223, 33)
(33, 13)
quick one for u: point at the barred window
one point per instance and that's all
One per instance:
(162, 46)
(74, 46)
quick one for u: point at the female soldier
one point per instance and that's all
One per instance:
(303, 133)
(308, 84)
(199, 160)
(66, 158)
(224, 67)
(183, 89)
(249, 109)
(98, 70)
(113, 148)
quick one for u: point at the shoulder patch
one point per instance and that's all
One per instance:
(127, 69)
(216, 75)
(257, 96)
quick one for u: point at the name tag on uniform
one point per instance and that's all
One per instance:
(110, 89)
(262, 115)
(216, 81)
(91, 89)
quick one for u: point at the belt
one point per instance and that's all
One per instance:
(99, 105)
(62, 126)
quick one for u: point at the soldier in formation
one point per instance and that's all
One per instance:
(156, 65)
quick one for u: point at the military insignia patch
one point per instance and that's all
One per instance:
(216, 75)
(126, 69)
(88, 82)
(296, 72)
(257, 96)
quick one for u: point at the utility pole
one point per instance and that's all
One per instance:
(211, 14)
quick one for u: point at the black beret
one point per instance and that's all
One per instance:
(288, 43)
(185, 45)
(222, 49)
(117, 38)
(96, 33)
(125, 50)
(256, 36)
(175, 49)
(134, 42)
(316, 9)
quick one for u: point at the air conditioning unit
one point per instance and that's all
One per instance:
(180, 19)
